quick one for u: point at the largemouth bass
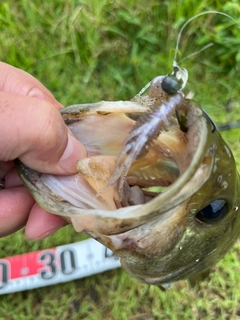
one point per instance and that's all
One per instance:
(159, 188)
(175, 213)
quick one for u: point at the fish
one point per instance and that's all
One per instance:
(159, 187)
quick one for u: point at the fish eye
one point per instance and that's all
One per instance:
(170, 84)
(214, 211)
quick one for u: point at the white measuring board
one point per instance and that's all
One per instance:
(51, 266)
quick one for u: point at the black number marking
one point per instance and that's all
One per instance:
(109, 254)
(48, 258)
(4, 274)
(67, 260)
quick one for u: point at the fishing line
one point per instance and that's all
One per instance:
(175, 64)
(227, 126)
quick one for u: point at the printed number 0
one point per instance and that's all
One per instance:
(67, 261)
(3, 274)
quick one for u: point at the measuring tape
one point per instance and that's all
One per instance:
(51, 266)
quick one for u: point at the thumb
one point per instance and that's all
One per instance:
(34, 131)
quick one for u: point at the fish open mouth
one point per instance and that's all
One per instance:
(167, 157)
(147, 177)
(155, 182)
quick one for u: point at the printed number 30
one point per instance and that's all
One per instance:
(67, 263)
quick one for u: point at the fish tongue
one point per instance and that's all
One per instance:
(97, 170)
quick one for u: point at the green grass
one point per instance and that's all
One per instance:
(89, 50)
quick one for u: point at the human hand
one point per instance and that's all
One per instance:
(31, 129)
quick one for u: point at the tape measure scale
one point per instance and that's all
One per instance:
(55, 265)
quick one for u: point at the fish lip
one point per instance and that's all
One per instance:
(171, 277)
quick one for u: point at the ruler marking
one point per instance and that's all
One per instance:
(55, 265)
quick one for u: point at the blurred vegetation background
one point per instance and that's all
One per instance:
(91, 50)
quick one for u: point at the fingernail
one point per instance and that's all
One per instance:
(39, 94)
(73, 152)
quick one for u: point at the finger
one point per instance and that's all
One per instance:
(15, 205)
(12, 179)
(42, 224)
(5, 167)
(34, 131)
(16, 81)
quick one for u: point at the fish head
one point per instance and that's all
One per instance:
(183, 224)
